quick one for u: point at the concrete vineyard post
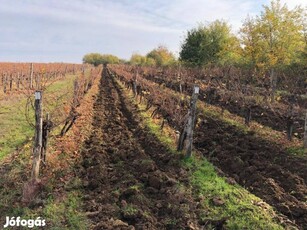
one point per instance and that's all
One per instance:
(38, 134)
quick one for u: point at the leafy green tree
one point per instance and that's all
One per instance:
(96, 59)
(303, 59)
(161, 56)
(191, 52)
(137, 59)
(250, 42)
(109, 59)
(150, 62)
(210, 44)
(93, 58)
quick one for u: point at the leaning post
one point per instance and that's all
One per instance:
(135, 81)
(38, 134)
(31, 76)
(191, 121)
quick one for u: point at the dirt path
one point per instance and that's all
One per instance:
(131, 180)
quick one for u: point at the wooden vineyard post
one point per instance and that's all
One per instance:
(248, 115)
(38, 135)
(273, 84)
(37, 81)
(179, 79)
(31, 76)
(135, 82)
(47, 125)
(290, 121)
(191, 121)
(11, 82)
(4, 83)
(18, 80)
(76, 93)
(180, 87)
(186, 136)
(305, 132)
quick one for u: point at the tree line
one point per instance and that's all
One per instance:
(274, 40)
(97, 59)
(160, 56)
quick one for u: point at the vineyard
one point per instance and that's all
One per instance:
(130, 147)
(29, 76)
(266, 169)
(153, 115)
(20, 81)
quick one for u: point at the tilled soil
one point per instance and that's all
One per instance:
(262, 167)
(274, 116)
(265, 169)
(131, 180)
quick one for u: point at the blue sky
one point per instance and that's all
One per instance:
(65, 30)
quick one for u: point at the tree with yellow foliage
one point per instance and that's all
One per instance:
(162, 56)
(273, 40)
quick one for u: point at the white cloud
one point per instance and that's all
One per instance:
(68, 29)
(293, 3)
